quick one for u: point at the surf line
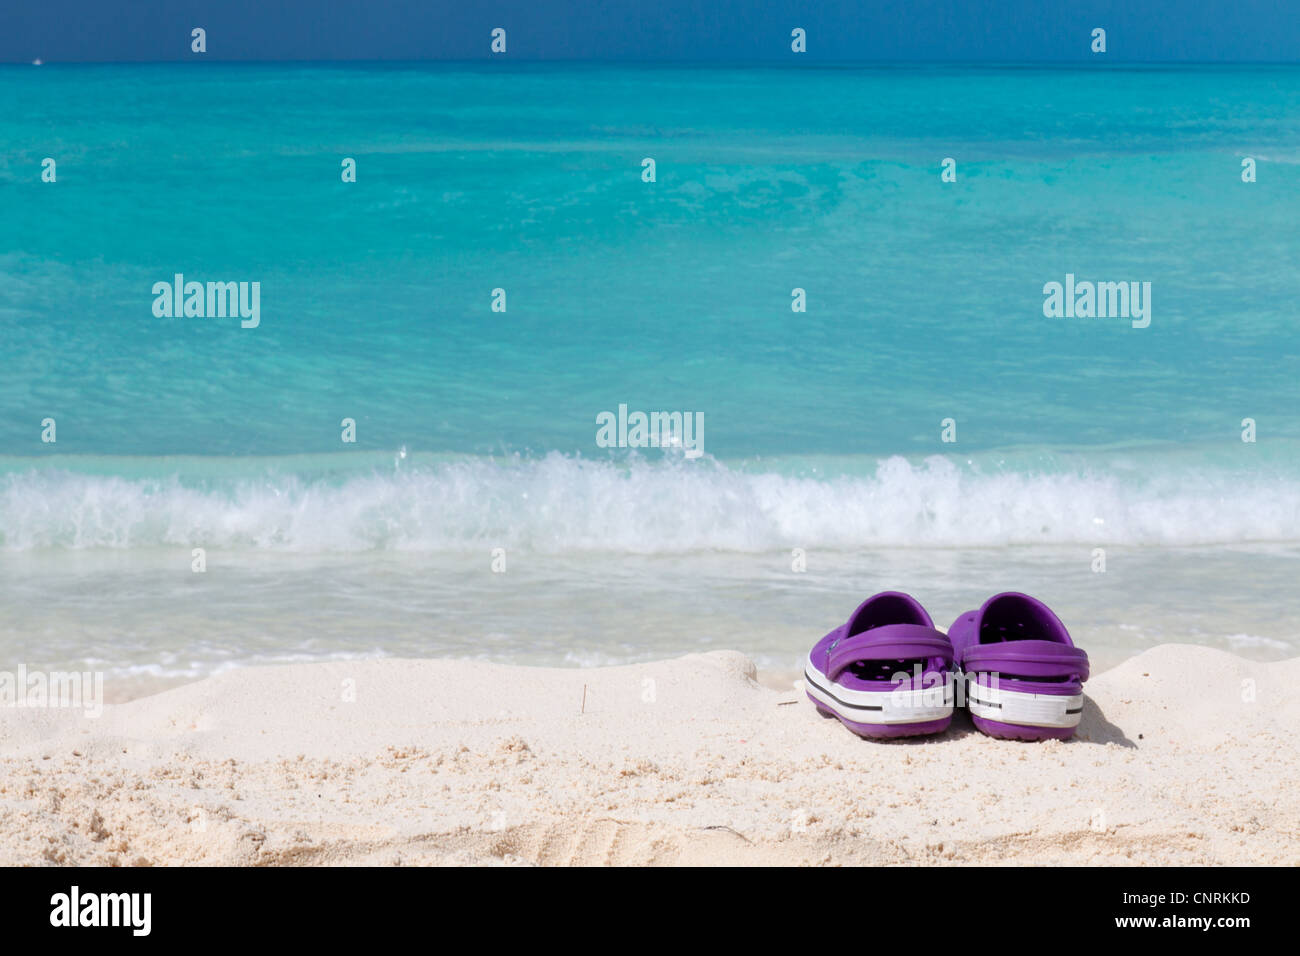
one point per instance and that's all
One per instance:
(211, 300)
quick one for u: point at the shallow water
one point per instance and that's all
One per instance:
(144, 617)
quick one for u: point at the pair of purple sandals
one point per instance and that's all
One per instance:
(889, 672)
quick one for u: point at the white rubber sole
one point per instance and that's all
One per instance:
(1026, 710)
(885, 707)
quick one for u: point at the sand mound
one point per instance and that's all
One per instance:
(1184, 756)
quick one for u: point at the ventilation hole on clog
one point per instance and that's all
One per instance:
(1036, 679)
(885, 670)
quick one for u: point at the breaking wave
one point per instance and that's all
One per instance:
(560, 504)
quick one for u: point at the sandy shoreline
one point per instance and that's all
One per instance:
(1185, 755)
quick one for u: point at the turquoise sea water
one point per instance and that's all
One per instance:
(477, 429)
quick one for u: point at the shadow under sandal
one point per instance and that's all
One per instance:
(1024, 676)
(886, 672)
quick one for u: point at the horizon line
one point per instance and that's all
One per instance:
(635, 61)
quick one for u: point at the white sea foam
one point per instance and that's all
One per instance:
(1240, 641)
(560, 504)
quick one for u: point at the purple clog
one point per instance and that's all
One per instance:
(886, 672)
(1023, 675)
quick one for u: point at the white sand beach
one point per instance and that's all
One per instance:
(1186, 755)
